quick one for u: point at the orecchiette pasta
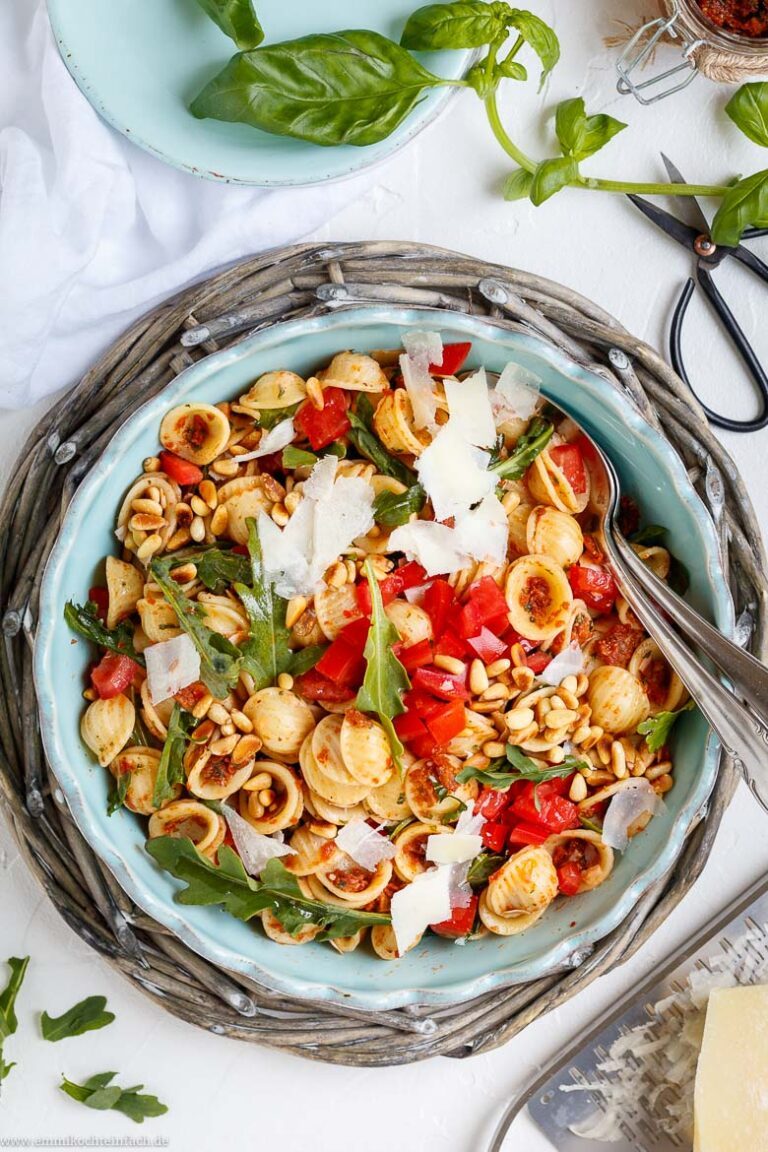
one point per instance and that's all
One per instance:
(539, 597)
(107, 725)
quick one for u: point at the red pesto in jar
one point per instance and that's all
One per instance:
(744, 17)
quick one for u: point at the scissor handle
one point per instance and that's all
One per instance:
(738, 339)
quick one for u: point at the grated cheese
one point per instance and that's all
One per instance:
(635, 800)
(366, 846)
(470, 410)
(171, 666)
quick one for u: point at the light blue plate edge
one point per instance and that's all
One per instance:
(167, 912)
(413, 127)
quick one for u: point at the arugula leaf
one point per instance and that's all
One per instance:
(517, 186)
(170, 770)
(8, 1020)
(539, 36)
(305, 658)
(463, 24)
(230, 886)
(217, 568)
(551, 176)
(656, 729)
(650, 534)
(99, 1093)
(385, 678)
(238, 19)
(367, 443)
(220, 660)
(507, 770)
(748, 109)
(266, 653)
(580, 135)
(533, 441)
(83, 619)
(298, 458)
(87, 1016)
(352, 87)
(392, 508)
(269, 418)
(118, 792)
(744, 205)
(590, 824)
(483, 867)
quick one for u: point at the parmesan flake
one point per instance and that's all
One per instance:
(171, 666)
(426, 900)
(275, 440)
(365, 845)
(470, 410)
(255, 849)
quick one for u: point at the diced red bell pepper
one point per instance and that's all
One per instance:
(568, 458)
(411, 575)
(112, 675)
(569, 878)
(437, 602)
(544, 804)
(485, 607)
(491, 803)
(422, 703)
(487, 646)
(454, 356)
(409, 726)
(537, 661)
(355, 634)
(595, 586)
(342, 664)
(313, 685)
(524, 834)
(272, 463)
(494, 836)
(322, 426)
(100, 597)
(415, 656)
(450, 644)
(448, 722)
(461, 922)
(390, 587)
(444, 685)
(184, 472)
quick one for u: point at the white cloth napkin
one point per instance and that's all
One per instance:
(94, 231)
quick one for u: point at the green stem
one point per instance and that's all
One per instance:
(499, 131)
(650, 189)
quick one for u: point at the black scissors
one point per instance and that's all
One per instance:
(709, 256)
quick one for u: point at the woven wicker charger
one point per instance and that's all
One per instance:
(302, 281)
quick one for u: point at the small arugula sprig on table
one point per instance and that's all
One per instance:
(501, 774)
(101, 1094)
(385, 678)
(356, 87)
(87, 1016)
(8, 1020)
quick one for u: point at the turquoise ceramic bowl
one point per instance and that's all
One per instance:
(140, 62)
(437, 971)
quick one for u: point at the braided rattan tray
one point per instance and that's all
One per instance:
(266, 290)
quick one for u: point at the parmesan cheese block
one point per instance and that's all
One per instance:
(731, 1094)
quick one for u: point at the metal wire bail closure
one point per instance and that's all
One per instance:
(630, 60)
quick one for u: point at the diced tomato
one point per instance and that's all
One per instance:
(437, 602)
(544, 804)
(569, 878)
(524, 834)
(487, 646)
(184, 472)
(100, 597)
(595, 586)
(240, 549)
(424, 747)
(411, 575)
(461, 922)
(537, 661)
(485, 607)
(409, 726)
(491, 803)
(420, 702)
(272, 463)
(390, 587)
(321, 426)
(494, 835)
(444, 685)
(112, 675)
(313, 685)
(569, 460)
(618, 644)
(593, 549)
(415, 655)
(448, 722)
(355, 634)
(450, 644)
(342, 664)
(656, 676)
(454, 356)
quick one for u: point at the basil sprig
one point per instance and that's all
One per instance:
(83, 619)
(394, 508)
(99, 1093)
(385, 678)
(530, 445)
(483, 867)
(238, 19)
(514, 766)
(8, 1021)
(87, 1016)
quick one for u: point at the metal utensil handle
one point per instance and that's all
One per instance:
(630, 61)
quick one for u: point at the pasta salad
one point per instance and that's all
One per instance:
(362, 665)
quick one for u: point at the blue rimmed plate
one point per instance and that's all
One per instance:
(140, 62)
(437, 971)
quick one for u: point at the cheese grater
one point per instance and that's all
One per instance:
(555, 1111)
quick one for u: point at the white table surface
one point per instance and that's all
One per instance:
(442, 190)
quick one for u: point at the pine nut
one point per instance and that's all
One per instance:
(228, 729)
(219, 520)
(580, 734)
(89, 694)
(151, 464)
(218, 713)
(323, 828)
(197, 529)
(477, 761)
(178, 540)
(450, 664)
(201, 708)
(337, 574)
(662, 784)
(522, 678)
(225, 467)
(510, 501)
(555, 755)
(259, 782)
(151, 507)
(578, 789)
(147, 550)
(224, 745)
(285, 681)
(569, 684)
(183, 514)
(255, 809)
(145, 522)
(236, 449)
(202, 732)
(241, 720)
(292, 501)
(658, 770)
(494, 749)
(595, 734)
(351, 571)
(207, 490)
(517, 656)
(279, 514)
(478, 678)
(267, 797)
(184, 574)
(603, 746)
(560, 718)
(245, 749)
(315, 393)
(496, 692)
(518, 719)
(569, 699)
(497, 667)
(582, 683)
(199, 506)
(296, 608)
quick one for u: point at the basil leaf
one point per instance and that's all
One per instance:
(748, 109)
(118, 792)
(170, 770)
(303, 659)
(367, 443)
(551, 176)
(266, 653)
(744, 205)
(83, 619)
(539, 36)
(517, 185)
(530, 445)
(101, 1094)
(220, 660)
(483, 867)
(8, 1021)
(230, 886)
(351, 87)
(385, 678)
(657, 729)
(298, 458)
(269, 418)
(463, 24)
(392, 508)
(506, 771)
(580, 135)
(238, 19)
(87, 1016)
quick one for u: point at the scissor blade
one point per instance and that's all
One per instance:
(688, 205)
(683, 233)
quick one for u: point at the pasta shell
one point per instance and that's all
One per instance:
(538, 596)
(477, 730)
(412, 622)
(549, 485)
(125, 587)
(352, 884)
(326, 749)
(348, 943)
(333, 812)
(281, 719)
(587, 848)
(140, 764)
(355, 372)
(247, 505)
(190, 820)
(427, 780)
(526, 883)
(394, 425)
(223, 614)
(364, 749)
(276, 932)
(388, 801)
(345, 795)
(335, 608)
(518, 527)
(617, 699)
(280, 389)
(106, 727)
(657, 559)
(550, 532)
(196, 432)
(216, 777)
(286, 808)
(664, 688)
(155, 716)
(384, 943)
(311, 853)
(158, 619)
(505, 925)
(411, 845)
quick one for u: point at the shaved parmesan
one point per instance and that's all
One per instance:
(340, 518)
(457, 848)
(424, 347)
(319, 483)
(454, 473)
(171, 666)
(420, 388)
(287, 553)
(460, 890)
(470, 823)
(469, 406)
(484, 532)
(516, 394)
(635, 800)
(255, 850)
(274, 441)
(364, 844)
(426, 900)
(569, 662)
(435, 546)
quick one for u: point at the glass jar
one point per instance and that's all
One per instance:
(706, 48)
